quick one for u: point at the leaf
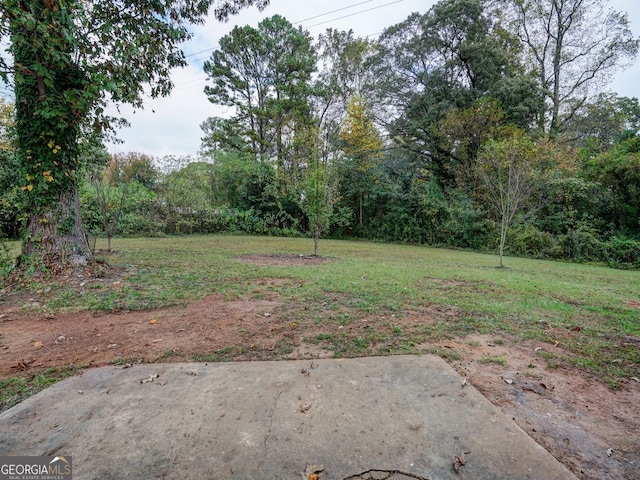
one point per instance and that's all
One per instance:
(311, 472)
(38, 344)
(153, 321)
(459, 461)
(150, 378)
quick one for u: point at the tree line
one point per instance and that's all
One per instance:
(477, 125)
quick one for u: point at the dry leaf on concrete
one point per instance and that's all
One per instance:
(312, 471)
(459, 461)
(150, 379)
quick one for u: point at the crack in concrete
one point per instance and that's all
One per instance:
(266, 438)
(389, 474)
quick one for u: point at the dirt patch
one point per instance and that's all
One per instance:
(594, 431)
(285, 259)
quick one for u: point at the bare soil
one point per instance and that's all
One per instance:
(593, 430)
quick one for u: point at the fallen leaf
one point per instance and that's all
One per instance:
(305, 372)
(60, 339)
(464, 382)
(38, 344)
(304, 407)
(576, 329)
(312, 471)
(159, 340)
(459, 461)
(150, 379)
(153, 321)
(636, 379)
(507, 380)
(537, 349)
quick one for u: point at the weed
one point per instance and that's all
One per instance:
(15, 389)
(487, 359)
(360, 343)
(396, 330)
(446, 353)
(324, 337)
(171, 353)
(126, 361)
(221, 355)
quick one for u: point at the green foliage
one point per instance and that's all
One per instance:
(618, 171)
(319, 192)
(15, 389)
(70, 59)
(7, 262)
(265, 73)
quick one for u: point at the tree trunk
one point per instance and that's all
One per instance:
(504, 227)
(316, 240)
(55, 238)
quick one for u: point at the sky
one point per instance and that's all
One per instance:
(171, 125)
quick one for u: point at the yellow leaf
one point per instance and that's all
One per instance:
(49, 178)
(153, 321)
(47, 173)
(27, 187)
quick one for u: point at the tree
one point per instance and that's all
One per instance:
(362, 144)
(450, 58)
(10, 208)
(264, 73)
(320, 193)
(70, 59)
(601, 122)
(506, 168)
(110, 197)
(618, 170)
(575, 46)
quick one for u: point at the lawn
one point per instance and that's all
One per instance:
(592, 312)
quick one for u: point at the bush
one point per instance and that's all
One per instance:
(527, 240)
(623, 252)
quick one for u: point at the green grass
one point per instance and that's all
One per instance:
(15, 389)
(487, 359)
(584, 308)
